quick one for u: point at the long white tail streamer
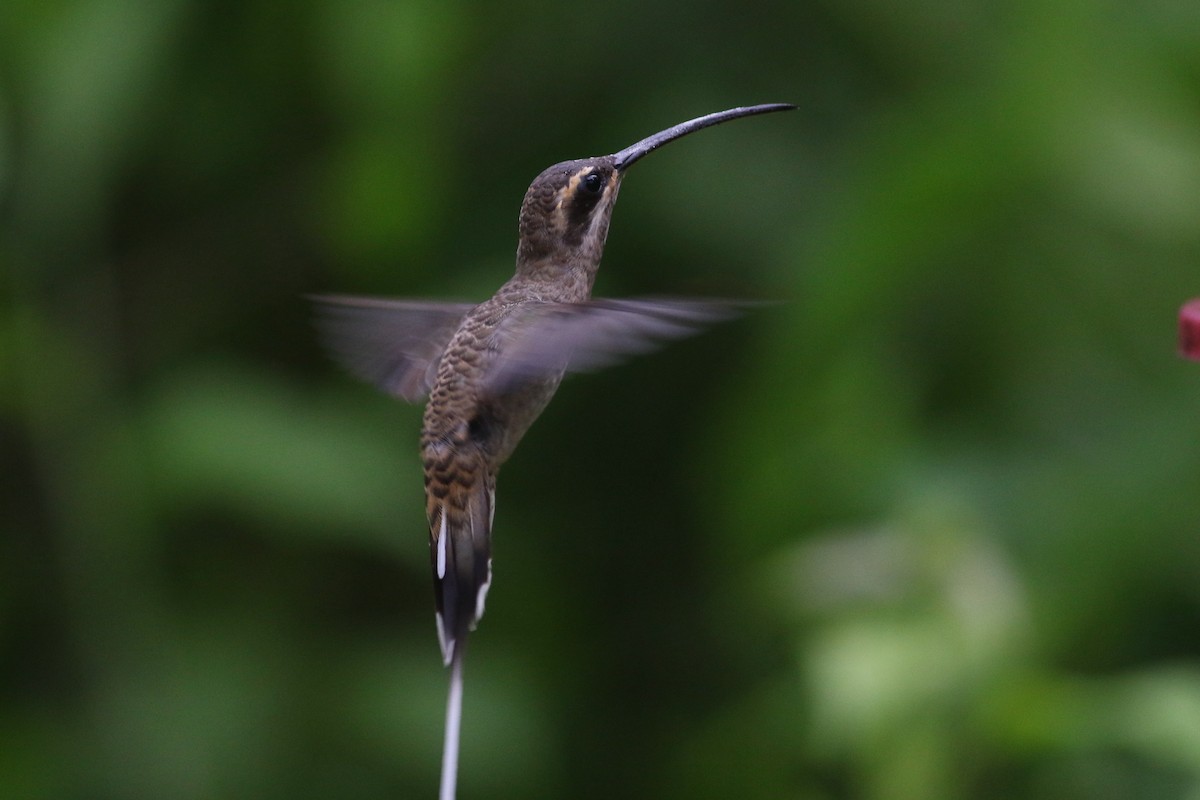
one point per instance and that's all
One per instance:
(453, 726)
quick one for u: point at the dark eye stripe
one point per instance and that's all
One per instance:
(587, 195)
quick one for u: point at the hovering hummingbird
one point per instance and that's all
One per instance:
(490, 369)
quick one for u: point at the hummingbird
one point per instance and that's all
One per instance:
(490, 369)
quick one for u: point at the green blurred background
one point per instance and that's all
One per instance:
(930, 528)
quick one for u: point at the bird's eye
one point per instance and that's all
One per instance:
(592, 182)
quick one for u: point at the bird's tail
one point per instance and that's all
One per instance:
(460, 528)
(460, 523)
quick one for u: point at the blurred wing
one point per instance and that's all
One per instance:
(394, 344)
(551, 338)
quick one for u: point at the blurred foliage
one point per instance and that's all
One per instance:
(928, 529)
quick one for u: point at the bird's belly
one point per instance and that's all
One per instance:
(515, 412)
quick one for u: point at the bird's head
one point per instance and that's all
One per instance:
(564, 218)
(566, 211)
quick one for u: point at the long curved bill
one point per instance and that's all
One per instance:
(632, 153)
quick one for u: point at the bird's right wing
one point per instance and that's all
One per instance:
(550, 338)
(393, 344)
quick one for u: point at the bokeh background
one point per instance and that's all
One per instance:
(927, 528)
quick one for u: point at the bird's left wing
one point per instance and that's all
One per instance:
(394, 344)
(550, 338)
